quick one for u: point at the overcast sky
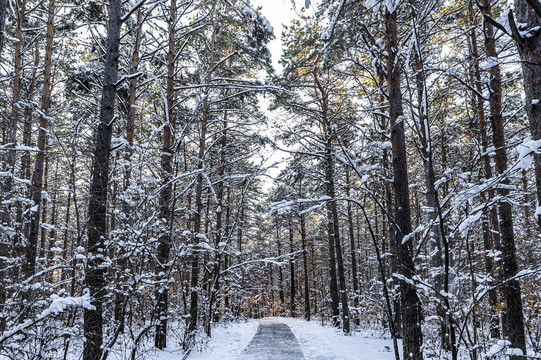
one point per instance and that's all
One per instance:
(278, 12)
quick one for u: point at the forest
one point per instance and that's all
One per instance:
(142, 205)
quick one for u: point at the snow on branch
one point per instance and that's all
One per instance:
(57, 306)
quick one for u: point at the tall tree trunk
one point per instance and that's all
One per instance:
(43, 230)
(411, 305)
(97, 207)
(3, 5)
(291, 272)
(513, 327)
(20, 12)
(305, 265)
(530, 54)
(490, 216)
(334, 229)
(37, 178)
(437, 229)
(352, 243)
(215, 276)
(280, 272)
(166, 193)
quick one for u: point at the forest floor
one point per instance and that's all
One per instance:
(316, 342)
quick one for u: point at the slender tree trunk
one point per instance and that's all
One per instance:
(291, 272)
(530, 54)
(352, 242)
(215, 276)
(437, 229)
(490, 216)
(513, 328)
(280, 272)
(194, 282)
(411, 305)
(20, 12)
(97, 207)
(334, 229)
(166, 193)
(43, 230)
(3, 5)
(37, 178)
(305, 267)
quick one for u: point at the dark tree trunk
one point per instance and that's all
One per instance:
(37, 178)
(20, 12)
(490, 216)
(352, 243)
(305, 268)
(332, 211)
(97, 207)
(280, 272)
(530, 54)
(3, 4)
(166, 194)
(437, 229)
(215, 276)
(120, 298)
(291, 272)
(411, 305)
(513, 328)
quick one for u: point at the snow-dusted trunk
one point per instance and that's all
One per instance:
(166, 193)
(354, 275)
(490, 216)
(437, 229)
(305, 265)
(530, 54)
(20, 12)
(97, 206)
(194, 281)
(130, 126)
(513, 328)
(3, 4)
(291, 272)
(215, 275)
(37, 178)
(332, 210)
(411, 305)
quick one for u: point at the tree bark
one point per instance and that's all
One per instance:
(530, 54)
(513, 327)
(97, 207)
(37, 178)
(352, 243)
(410, 303)
(291, 272)
(305, 266)
(332, 211)
(490, 216)
(166, 193)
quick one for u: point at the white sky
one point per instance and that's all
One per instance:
(278, 13)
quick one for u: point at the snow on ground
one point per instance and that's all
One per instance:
(226, 343)
(317, 342)
(328, 343)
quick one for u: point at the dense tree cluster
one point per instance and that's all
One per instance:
(136, 208)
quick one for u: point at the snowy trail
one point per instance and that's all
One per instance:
(273, 340)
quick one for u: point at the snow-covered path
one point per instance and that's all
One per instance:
(315, 342)
(273, 340)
